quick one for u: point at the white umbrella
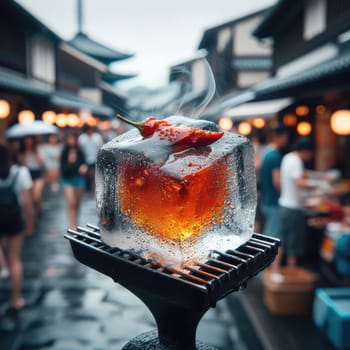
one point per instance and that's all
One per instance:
(37, 127)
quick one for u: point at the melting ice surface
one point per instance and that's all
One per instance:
(174, 204)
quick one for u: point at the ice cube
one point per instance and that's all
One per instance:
(176, 205)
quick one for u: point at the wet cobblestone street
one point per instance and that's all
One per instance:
(72, 307)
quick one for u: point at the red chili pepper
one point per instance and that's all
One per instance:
(188, 136)
(151, 125)
(177, 135)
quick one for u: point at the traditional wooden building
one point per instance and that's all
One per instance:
(237, 59)
(310, 87)
(312, 65)
(27, 63)
(40, 72)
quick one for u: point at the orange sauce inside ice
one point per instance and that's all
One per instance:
(170, 207)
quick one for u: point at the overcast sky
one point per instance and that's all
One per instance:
(160, 33)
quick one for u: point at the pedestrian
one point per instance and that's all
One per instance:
(257, 138)
(31, 156)
(52, 153)
(16, 218)
(293, 181)
(270, 185)
(74, 170)
(90, 142)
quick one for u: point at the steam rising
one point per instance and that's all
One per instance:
(188, 93)
(211, 88)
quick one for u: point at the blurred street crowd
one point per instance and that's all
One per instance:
(27, 165)
(287, 188)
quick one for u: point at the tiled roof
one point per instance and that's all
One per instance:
(320, 72)
(96, 50)
(19, 83)
(111, 77)
(276, 87)
(68, 100)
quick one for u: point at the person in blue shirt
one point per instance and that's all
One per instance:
(270, 184)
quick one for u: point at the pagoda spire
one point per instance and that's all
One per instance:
(80, 15)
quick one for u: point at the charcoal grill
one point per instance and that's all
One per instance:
(177, 298)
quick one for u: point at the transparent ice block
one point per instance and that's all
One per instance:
(172, 204)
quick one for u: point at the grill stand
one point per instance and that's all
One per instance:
(176, 299)
(176, 327)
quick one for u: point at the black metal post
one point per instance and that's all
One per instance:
(176, 325)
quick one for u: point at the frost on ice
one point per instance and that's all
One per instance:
(176, 204)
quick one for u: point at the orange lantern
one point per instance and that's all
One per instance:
(61, 120)
(106, 125)
(259, 123)
(289, 119)
(244, 128)
(225, 123)
(26, 117)
(4, 109)
(320, 109)
(304, 128)
(49, 117)
(340, 122)
(302, 111)
(91, 121)
(81, 123)
(72, 120)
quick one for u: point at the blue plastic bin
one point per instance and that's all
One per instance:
(331, 313)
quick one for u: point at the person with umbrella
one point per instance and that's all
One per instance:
(31, 157)
(30, 154)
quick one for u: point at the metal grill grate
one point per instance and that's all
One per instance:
(196, 286)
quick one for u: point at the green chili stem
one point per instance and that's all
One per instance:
(138, 125)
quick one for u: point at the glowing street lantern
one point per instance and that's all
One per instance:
(259, 123)
(225, 123)
(304, 128)
(320, 109)
(49, 117)
(26, 117)
(340, 122)
(91, 121)
(72, 120)
(289, 119)
(4, 109)
(302, 111)
(106, 125)
(61, 120)
(244, 128)
(81, 123)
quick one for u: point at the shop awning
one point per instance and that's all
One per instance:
(215, 110)
(330, 73)
(14, 82)
(72, 102)
(263, 109)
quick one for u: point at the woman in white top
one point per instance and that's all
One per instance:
(32, 158)
(16, 217)
(52, 154)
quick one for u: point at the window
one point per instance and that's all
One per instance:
(223, 39)
(314, 18)
(199, 75)
(244, 43)
(42, 59)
